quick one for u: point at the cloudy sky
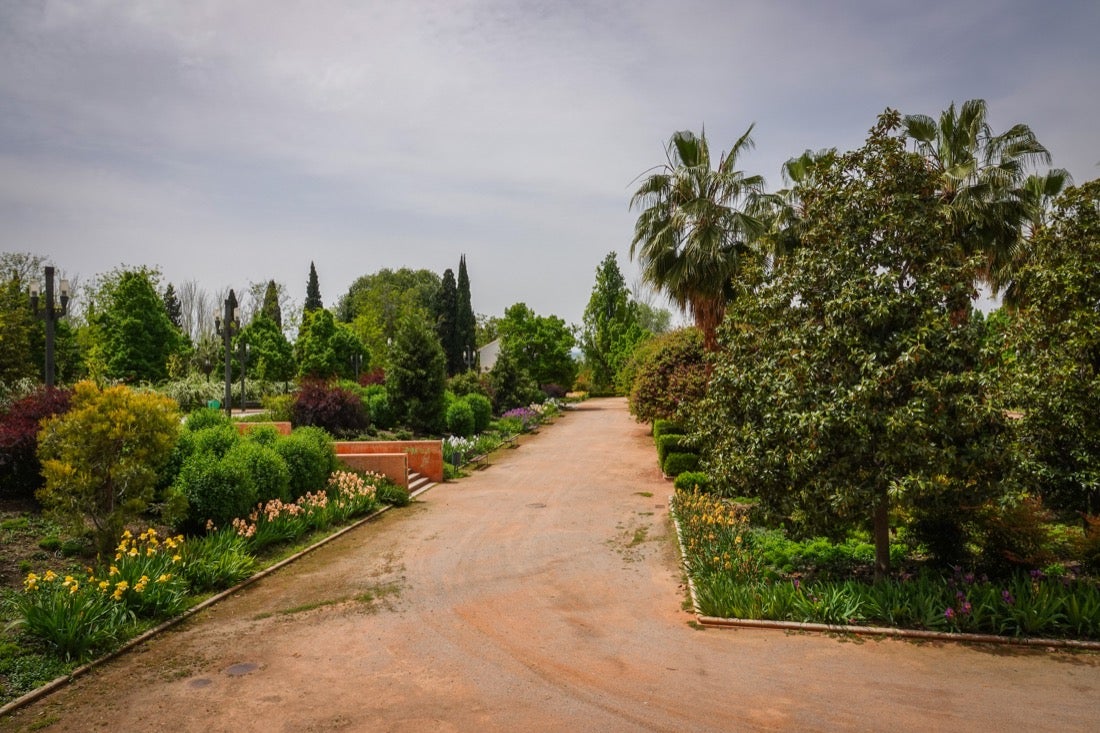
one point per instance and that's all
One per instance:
(234, 141)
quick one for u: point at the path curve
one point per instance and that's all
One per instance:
(541, 594)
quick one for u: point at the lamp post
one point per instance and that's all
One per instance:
(356, 363)
(227, 327)
(243, 358)
(469, 355)
(49, 313)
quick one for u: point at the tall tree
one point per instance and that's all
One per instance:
(271, 356)
(610, 329)
(416, 381)
(173, 307)
(271, 308)
(846, 385)
(136, 335)
(540, 345)
(1038, 195)
(465, 322)
(978, 174)
(17, 331)
(375, 304)
(696, 226)
(446, 323)
(313, 292)
(325, 348)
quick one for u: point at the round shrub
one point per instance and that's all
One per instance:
(677, 463)
(691, 480)
(263, 435)
(667, 444)
(217, 490)
(20, 470)
(334, 408)
(267, 468)
(381, 413)
(309, 459)
(460, 419)
(482, 408)
(205, 417)
(215, 441)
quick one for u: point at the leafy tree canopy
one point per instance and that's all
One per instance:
(611, 329)
(134, 331)
(540, 345)
(375, 305)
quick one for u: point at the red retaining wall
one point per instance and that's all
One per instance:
(424, 456)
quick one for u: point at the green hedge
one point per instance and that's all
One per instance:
(678, 463)
(691, 480)
(666, 427)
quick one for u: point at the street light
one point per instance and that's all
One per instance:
(243, 357)
(469, 355)
(356, 360)
(227, 327)
(49, 313)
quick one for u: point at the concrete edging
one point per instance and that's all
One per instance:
(59, 682)
(748, 623)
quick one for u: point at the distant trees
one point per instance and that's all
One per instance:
(465, 321)
(136, 334)
(313, 300)
(446, 323)
(416, 380)
(376, 304)
(540, 345)
(611, 330)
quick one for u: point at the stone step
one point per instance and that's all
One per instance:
(418, 483)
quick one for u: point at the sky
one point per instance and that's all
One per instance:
(234, 142)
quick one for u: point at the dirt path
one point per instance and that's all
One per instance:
(541, 595)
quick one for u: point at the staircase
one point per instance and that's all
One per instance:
(418, 483)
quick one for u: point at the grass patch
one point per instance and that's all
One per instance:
(646, 494)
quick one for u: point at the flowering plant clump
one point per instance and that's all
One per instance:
(527, 417)
(272, 522)
(352, 494)
(145, 574)
(456, 449)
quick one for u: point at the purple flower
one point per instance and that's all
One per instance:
(949, 613)
(796, 583)
(1007, 597)
(966, 608)
(969, 578)
(960, 595)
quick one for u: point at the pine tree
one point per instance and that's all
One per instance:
(465, 323)
(446, 325)
(271, 307)
(313, 292)
(173, 307)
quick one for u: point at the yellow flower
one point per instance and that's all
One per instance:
(104, 585)
(68, 580)
(164, 578)
(113, 571)
(74, 587)
(133, 552)
(149, 552)
(50, 576)
(176, 558)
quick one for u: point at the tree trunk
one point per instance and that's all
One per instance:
(882, 537)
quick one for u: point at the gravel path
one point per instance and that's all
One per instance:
(541, 594)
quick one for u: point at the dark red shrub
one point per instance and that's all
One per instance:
(20, 471)
(374, 376)
(337, 410)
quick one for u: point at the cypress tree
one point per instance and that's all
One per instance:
(173, 307)
(465, 323)
(271, 307)
(446, 317)
(313, 292)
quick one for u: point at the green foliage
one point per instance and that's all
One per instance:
(313, 300)
(279, 407)
(392, 494)
(446, 323)
(1054, 379)
(376, 304)
(271, 357)
(465, 322)
(468, 383)
(216, 561)
(324, 348)
(482, 409)
(541, 346)
(271, 310)
(17, 331)
(266, 468)
(672, 444)
(218, 488)
(100, 459)
(136, 335)
(677, 463)
(611, 330)
(310, 458)
(144, 576)
(206, 417)
(381, 413)
(460, 418)
(510, 385)
(692, 481)
(214, 441)
(847, 382)
(670, 372)
(193, 391)
(661, 427)
(417, 378)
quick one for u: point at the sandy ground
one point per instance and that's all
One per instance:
(541, 594)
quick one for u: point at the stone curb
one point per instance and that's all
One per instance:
(748, 623)
(60, 682)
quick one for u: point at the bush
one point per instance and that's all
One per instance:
(214, 441)
(217, 490)
(670, 370)
(662, 426)
(193, 392)
(677, 463)
(263, 435)
(309, 457)
(381, 414)
(691, 480)
(467, 383)
(556, 391)
(482, 408)
(20, 471)
(392, 494)
(460, 419)
(205, 417)
(336, 409)
(280, 408)
(667, 444)
(266, 467)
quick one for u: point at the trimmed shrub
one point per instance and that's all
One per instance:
(667, 444)
(691, 480)
(215, 441)
(334, 408)
(205, 417)
(662, 426)
(266, 467)
(217, 490)
(20, 470)
(263, 435)
(310, 459)
(677, 463)
(482, 408)
(460, 418)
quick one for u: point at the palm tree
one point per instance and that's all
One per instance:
(979, 174)
(1037, 194)
(695, 226)
(782, 211)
